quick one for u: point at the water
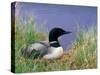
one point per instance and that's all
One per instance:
(64, 16)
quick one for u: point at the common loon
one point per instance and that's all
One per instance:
(47, 49)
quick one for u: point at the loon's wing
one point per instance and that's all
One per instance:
(46, 43)
(37, 49)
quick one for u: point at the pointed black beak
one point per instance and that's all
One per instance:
(67, 32)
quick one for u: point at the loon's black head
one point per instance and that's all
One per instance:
(55, 33)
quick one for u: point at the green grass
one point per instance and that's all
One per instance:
(84, 51)
(82, 55)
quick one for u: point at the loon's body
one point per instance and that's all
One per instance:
(54, 53)
(47, 49)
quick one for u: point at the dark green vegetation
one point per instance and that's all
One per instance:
(82, 55)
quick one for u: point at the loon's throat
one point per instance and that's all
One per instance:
(53, 38)
(54, 44)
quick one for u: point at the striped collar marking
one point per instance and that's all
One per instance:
(53, 42)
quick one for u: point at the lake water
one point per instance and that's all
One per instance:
(63, 16)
